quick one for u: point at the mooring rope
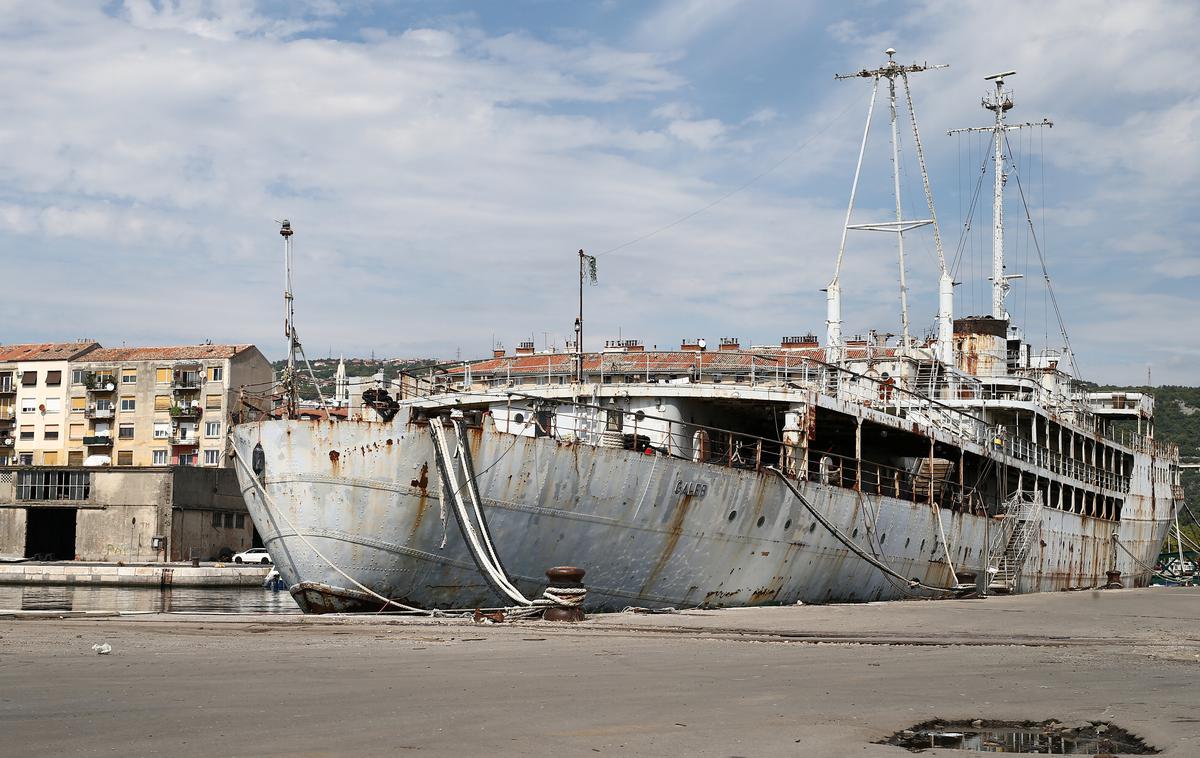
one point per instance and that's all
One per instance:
(1145, 567)
(842, 538)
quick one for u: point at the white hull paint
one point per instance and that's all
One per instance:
(367, 495)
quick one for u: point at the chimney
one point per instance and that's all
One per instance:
(692, 346)
(729, 343)
(497, 352)
(525, 348)
(624, 346)
(799, 343)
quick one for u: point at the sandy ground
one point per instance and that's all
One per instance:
(810, 681)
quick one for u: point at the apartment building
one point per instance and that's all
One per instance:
(34, 384)
(158, 406)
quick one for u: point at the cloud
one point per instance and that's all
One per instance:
(441, 173)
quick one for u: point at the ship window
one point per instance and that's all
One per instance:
(732, 515)
(787, 524)
(519, 418)
(614, 421)
(761, 520)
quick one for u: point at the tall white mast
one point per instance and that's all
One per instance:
(890, 71)
(999, 103)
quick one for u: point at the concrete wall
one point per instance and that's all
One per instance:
(127, 507)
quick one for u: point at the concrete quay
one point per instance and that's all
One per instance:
(811, 680)
(137, 575)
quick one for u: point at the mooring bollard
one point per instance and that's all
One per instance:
(565, 578)
(1114, 580)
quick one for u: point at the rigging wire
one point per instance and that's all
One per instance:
(794, 151)
(1062, 327)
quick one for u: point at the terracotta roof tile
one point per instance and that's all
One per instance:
(176, 353)
(45, 351)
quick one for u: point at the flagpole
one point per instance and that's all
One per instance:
(579, 326)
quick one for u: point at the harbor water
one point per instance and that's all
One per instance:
(145, 599)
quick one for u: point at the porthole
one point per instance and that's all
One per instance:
(761, 520)
(855, 532)
(787, 524)
(519, 418)
(640, 415)
(732, 515)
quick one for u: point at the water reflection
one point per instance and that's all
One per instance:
(43, 597)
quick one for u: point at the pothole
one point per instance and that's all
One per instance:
(1097, 738)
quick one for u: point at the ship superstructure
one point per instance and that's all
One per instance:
(865, 468)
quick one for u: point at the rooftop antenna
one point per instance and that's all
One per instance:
(891, 70)
(999, 103)
(587, 270)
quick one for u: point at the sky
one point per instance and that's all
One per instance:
(441, 163)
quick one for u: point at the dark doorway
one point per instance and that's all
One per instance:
(256, 539)
(50, 534)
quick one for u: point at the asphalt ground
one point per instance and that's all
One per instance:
(806, 681)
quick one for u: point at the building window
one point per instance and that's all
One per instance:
(78, 375)
(212, 457)
(129, 376)
(26, 459)
(212, 402)
(50, 458)
(28, 405)
(228, 520)
(53, 378)
(53, 485)
(78, 404)
(162, 430)
(125, 432)
(216, 373)
(162, 402)
(125, 458)
(187, 459)
(161, 457)
(75, 458)
(162, 375)
(75, 431)
(212, 428)
(216, 520)
(27, 432)
(128, 404)
(241, 521)
(53, 404)
(51, 432)
(29, 379)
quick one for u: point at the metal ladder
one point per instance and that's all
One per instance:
(1010, 548)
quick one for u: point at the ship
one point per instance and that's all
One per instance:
(846, 469)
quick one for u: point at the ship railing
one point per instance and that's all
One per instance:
(781, 371)
(1025, 450)
(655, 435)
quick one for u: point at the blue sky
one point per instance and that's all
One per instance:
(442, 161)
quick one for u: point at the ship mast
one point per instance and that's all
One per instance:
(999, 103)
(891, 71)
(290, 386)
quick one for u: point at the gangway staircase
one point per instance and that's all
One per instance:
(1010, 547)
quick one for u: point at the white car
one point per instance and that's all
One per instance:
(253, 555)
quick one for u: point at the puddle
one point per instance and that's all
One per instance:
(1021, 737)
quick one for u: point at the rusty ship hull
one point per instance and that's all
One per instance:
(367, 496)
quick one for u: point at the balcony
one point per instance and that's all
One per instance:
(186, 411)
(99, 440)
(7, 413)
(7, 440)
(186, 381)
(100, 413)
(8, 388)
(181, 441)
(100, 383)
